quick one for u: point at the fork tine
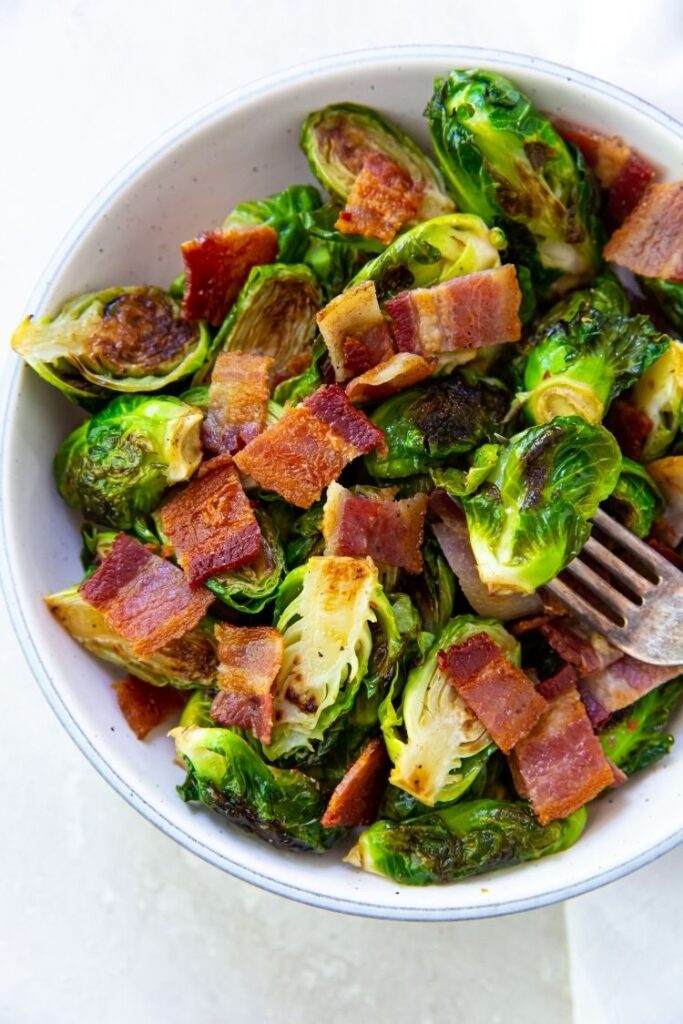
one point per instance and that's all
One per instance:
(620, 570)
(614, 599)
(647, 555)
(580, 606)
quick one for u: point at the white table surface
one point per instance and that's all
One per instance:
(101, 917)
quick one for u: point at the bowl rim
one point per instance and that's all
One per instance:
(182, 131)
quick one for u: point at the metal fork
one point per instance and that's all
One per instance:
(647, 621)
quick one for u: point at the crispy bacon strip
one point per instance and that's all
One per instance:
(587, 651)
(390, 532)
(650, 241)
(388, 377)
(216, 266)
(630, 426)
(620, 684)
(249, 661)
(560, 765)
(465, 312)
(563, 680)
(144, 598)
(238, 401)
(145, 706)
(211, 523)
(355, 331)
(502, 697)
(309, 446)
(355, 801)
(382, 199)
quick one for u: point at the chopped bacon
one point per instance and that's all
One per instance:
(502, 697)
(390, 532)
(530, 625)
(560, 765)
(382, 199)
(666, 551)
(667, 473)
(465, 312)
(211, 523)
(650, 241)
(216, 266)
(144, 598)
(145, 706)
(355, 800)
(249, 661)
(309, 446)
(387, 378)
(618, 685)
(238, 401)
(586, 650)
(564, 679)
(295, 365)
(629, 188)
(355, 331)
(618, 777)
(630, 426)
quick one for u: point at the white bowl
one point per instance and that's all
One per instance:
(242, 147)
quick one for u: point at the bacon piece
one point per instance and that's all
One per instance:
(355, 801)
(249, 661)
(355, 331)
(309, 446)
(587, 651)
(560, 765)
(144, 598)
(502, 697)
(238, 401)
(667, 473)
(629, 188)
(145, 706)
(216, 266)
(630, 426)
(650, 241)
(618, 685)
(563, 680)
(211, 523)
(387, 378)
(530, 625)
(382, 199)
(390, 532)
(465, 312)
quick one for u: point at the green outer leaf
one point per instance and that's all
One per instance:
(669, 297)
(284, 212)
(636, 500)
(639, 736)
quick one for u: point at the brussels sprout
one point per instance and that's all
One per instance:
(435, 743)
(96, 546)
(284, 212)
(639, 735)
(116, 466)
(334, 257)
(433, 592)
(337, 138)
(325, 611)
(432, 252)
(197, 711)
(669, 297)
(459, 482)
(461, 841)
(659, 394)
(530, 518)
(295, 389)
(121, 339)
(428, 424)
(186, 663)
(635, 501)
(225, 773)
(274, 315)
(504, 161)
(585, 352)
(250, 588)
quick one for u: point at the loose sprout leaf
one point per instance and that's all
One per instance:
(640, 735)
(636, 500)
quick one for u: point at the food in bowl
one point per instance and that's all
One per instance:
(328, 473)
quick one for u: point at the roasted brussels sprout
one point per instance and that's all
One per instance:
(337, 138)
(116, 466)
(436, 745)
(639, 735)
(250, 588)
(504, 161)
(189, 662)
(432, 252)
(433, 592)
(305, 537)
(428, 424)
(284, 212)
(659, 394)
(120, 339)
(530, 517)
(459, 482)
(461, 841)
(635, 501)
(669, 297)
(334, 257)
(282, 806)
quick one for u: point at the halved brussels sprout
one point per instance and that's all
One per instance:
(640, 735)
(338, 137)
(250, 588)
(504, 161)
(530, 517)
(116, 466)
(659, 394)
(120, 339)
(635, 501)
(191, 661)
(284, 212)
(432, 252)
(437, 746)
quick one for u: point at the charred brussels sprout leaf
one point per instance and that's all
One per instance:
(433, 592)
(460, 841)
(337, 138)
(284, 212)
(305, 537)
(121, 339)
(504, 161)
(427, 425)
(225, 773)
(250, 588)
(530, 518)
(116, 466)
(635, 501)
(459, 482)
(640, 735)
(659, 394)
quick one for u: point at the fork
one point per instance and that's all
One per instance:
(645, 621)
